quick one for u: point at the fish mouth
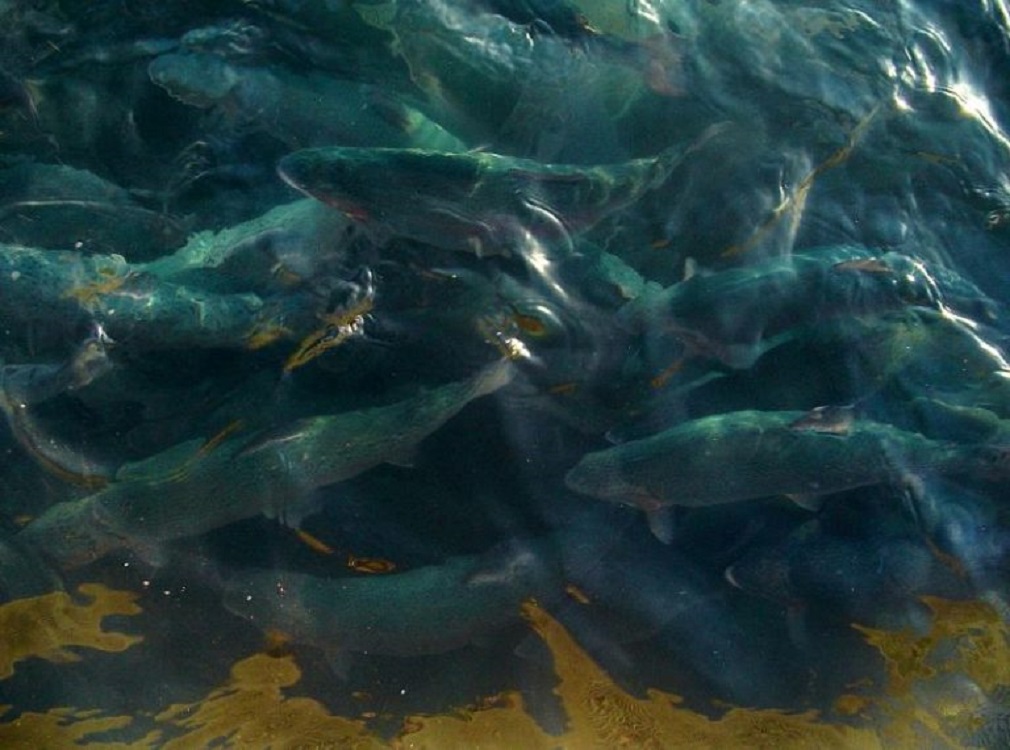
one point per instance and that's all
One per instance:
(296, 173)
(298, 170)
(288, 171)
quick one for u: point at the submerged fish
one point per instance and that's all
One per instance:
(427, 610)
(22, 386)
(270, 253)
(476, 202)
(496, 79)
(33, 384)
(300, 110)
(750, 454)
(54, 206)
(737, 315)
(186, 491)
(852, 577)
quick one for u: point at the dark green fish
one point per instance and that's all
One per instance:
(750, 454)
(850, 576)
(189, 489)
(427, 610)
(24, 386)
(273, 252)
(60, 290)
(529, 91)
(475, 202)
(55, 206)
(738, 314)
(299, 109)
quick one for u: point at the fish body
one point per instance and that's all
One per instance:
(750, 454)
(300, 110)
(849, 575)
(498, 80)
(33, 384)
(186, 491)
(640, 587)
(957, 361)
(427, 610)
(736, 315)
(23, 386)
(53, 206)
(64, 289)
(601, 278)
(268, 254)
(477, 202)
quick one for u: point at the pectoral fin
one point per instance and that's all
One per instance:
(807, 500)
(661, 524)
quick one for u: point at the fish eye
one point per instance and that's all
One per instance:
(540, 322)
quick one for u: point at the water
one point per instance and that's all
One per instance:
(658, 398)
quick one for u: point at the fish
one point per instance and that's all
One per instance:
(495, 79)
(338, 326)
(640, 587)
(299, 109)
(849, 577)
(957, 362)
(16, 96)
(268, 254)
(186, 491)
(745, 455)
(65, 289)
(475, 202)
(602, 278)
(27, 385)
(53, 206)
(737, 315)
(962, 526)
(426, 610)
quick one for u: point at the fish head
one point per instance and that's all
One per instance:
(91, 360)
(344, 178)
(198, 79)
(601, 475)
(365, 182)
(763, 572)
(994, 460)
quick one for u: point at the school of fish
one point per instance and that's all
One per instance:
(374, 320)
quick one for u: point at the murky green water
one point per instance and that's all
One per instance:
(504, 374)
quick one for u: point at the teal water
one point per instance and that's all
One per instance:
(341, 331)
